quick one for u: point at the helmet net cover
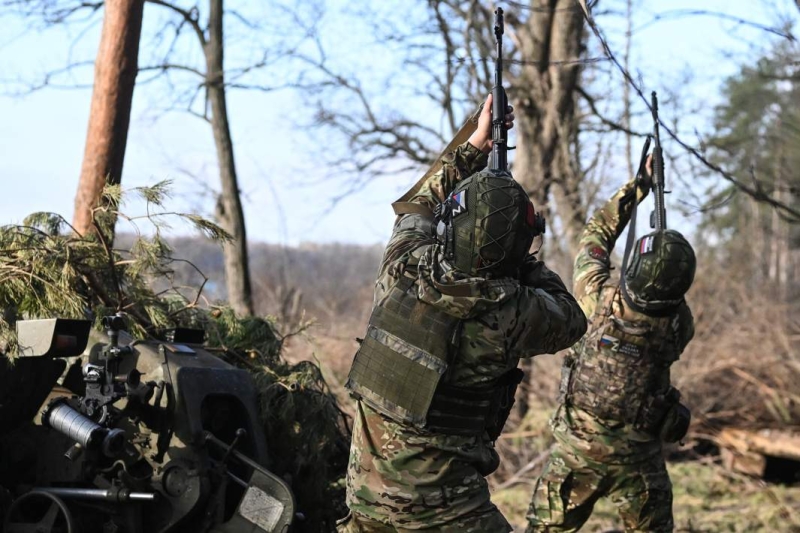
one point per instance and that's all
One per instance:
(662, 269)
(492, 222)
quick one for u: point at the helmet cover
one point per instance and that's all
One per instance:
(661, 270)
(487, 224)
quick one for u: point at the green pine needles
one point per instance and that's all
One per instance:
(47, 270)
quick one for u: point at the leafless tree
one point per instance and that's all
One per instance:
(752, 185)
(229, 212)
(197, 87)
(449, 51)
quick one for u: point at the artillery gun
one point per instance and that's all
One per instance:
(134, 437)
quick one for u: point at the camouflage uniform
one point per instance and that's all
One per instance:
(606, 444)
(402, 478)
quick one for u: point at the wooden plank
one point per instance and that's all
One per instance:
(751, 464)
(773, 442)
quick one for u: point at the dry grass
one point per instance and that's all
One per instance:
(743, 366)
(707, 499)
(742, 369)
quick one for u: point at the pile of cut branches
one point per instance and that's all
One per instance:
(743, 365)
(47, 270)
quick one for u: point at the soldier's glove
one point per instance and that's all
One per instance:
(531, 271)
(534, 273)
(644, 178)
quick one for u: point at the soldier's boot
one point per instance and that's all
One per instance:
(643, 496)
(564, 497)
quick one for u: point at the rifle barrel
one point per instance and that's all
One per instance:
(659, 219)
(499, 157)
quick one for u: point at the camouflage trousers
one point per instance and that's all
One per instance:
(571, 484)
(401, 479)
(488, 520)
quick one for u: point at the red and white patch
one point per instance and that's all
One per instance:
(596, 252)
(646, 245)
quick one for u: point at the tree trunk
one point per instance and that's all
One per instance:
(544, 97)
(544, 104)
(115, 72)
(229, 206)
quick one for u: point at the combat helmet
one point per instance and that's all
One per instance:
(660, 272)
(487, 225)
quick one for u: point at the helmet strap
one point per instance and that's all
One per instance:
(629, 301)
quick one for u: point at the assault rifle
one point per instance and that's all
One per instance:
(499, 157)
(658, 217)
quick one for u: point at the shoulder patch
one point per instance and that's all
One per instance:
(458, 203)
(597, 252)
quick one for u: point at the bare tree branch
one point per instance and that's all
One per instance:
(190, 16)
(757, 191)
(608, 122)
(170, 66)
(683, 13)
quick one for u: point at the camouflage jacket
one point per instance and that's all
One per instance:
(414, 478)
(609, 438)
(504, 319)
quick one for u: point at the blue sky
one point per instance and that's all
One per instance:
(43, 133)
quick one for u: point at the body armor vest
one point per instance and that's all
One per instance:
(400, 369)
(403, 356)
(620, 370)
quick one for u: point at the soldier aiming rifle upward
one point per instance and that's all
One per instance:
(617, 405)
(458, 301)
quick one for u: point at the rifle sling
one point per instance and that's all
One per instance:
(412, 208)
(632, 224)
(462, 135)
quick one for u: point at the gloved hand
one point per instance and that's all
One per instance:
(645, 179)
(531, 271)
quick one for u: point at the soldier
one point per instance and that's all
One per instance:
(617, 404)
(458, 301)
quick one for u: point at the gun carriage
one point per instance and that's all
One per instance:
(135, 436)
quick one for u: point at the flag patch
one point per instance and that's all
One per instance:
(612, 343)
(646, 245)
(458, 203)
(607, 341)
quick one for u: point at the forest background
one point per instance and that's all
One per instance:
(323, 112)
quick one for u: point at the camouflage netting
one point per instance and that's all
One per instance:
(46, 270)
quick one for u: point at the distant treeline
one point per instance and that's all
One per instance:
(327, 281)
